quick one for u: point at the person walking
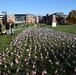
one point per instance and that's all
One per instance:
(7, 28)
(12, 28)
(1, 28)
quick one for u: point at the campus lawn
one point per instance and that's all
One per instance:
(37, 51)
(5, 40)
(3, 27)
(64, 28)
(45, 53)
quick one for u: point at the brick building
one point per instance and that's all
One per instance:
(31, 18)
(10, 17)
(19, 18)
(48, 19)
(3, 18)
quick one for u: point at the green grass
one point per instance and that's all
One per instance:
(64, 28)
(5, 40)
(19, 26)
(3, 27)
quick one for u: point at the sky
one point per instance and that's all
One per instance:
(37, 7)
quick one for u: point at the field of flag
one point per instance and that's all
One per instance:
(40, 51)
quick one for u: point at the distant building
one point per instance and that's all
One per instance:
(36, 19)
(65, 19)
(40, 18)
(3, 18)
(59, 14)
(20, 18)
(10, 17)
(31, 18)
(59, 17)
(65, 16)
(44, 19)
(48, 19)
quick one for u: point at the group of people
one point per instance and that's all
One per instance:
(9, 26)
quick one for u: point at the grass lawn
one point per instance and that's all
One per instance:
(64, 28)
(5, 40)
(3, 27)
(37, 51)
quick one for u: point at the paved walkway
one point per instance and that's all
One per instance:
(4, 31)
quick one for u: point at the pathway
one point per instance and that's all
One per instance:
(4, 31)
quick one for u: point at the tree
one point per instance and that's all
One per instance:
(71, 19)
(59, 19)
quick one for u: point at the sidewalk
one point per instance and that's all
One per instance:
(4, 31)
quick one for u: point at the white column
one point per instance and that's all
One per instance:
(53, 20)
(53, 24)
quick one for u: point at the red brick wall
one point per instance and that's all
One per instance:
(10, 17)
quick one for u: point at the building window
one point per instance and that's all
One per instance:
(10, 16)
(20, 17)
